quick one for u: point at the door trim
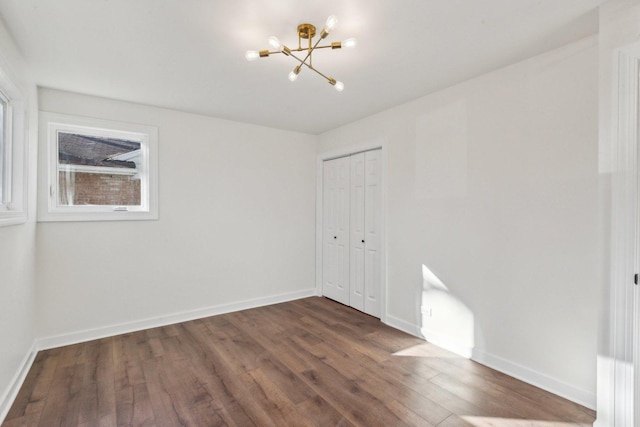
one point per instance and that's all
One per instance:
(378, 143)
(619, 353)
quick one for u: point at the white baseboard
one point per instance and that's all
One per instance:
(45, 343)
(535, 378)
(9, 395)
(528, 375)
(403, 325)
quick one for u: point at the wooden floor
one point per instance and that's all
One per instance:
(306, 362)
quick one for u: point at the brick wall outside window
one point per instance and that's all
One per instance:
(98, 189)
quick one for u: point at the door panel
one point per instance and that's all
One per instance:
(357, 255)
(372, 238)
(335, 268)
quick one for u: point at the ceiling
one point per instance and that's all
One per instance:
(188, 55)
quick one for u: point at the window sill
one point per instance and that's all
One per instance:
(98, 216)
(12, 218)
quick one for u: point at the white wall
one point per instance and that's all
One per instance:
(17, 250)
(236, 207)
(493, 188)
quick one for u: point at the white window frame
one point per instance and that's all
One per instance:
(48, 207)
(5, 154)
(14, 154)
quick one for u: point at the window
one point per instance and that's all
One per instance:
(99, 170)
(13, 153)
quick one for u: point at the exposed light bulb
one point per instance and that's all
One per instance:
(293, 76)
(275, 43)
(331, 23)
(339, 86)
(252, 55)
(350, 43)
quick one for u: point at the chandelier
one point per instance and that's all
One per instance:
(306, 32)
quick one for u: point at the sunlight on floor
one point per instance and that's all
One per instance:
(425, 350)
(415, 351)
(510, 422)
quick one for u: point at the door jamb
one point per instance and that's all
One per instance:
(619, 366)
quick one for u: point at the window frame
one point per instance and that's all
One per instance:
(50, 209)
(5, 153)
(14, 156)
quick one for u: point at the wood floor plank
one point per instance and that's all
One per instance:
(236, 381)
(28, 406)
(281, 408)
(310, 362)
(380, 386)
(321, 413)
(455, 421)
(103, 373)
(351, 396)
(503, 404)
(167, 405)
(407, 414)
(351, 400)
(552, 403)
(133, 403)
(60, 408)
(279, 372)
(220, 383)
(219, 380)
(283, 365)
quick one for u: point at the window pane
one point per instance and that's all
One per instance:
(95, 170)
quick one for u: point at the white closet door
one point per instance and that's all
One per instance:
(335, 268)
(372, 237)
(357, 253)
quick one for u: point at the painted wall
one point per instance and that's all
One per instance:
(237, 212)
(619, 27)
(493, 243)
(17, 248)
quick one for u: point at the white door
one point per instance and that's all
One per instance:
(335, 230)
(357, 253)
(372, 227)
(352, 212)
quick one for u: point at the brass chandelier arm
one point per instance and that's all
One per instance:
(289, 52)
(301, 49)
(309, 66)
(311, 49)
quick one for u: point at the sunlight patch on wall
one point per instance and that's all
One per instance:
(446, 321)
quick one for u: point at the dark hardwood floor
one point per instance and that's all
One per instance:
(306, 362)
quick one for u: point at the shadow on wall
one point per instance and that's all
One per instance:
(445, 320)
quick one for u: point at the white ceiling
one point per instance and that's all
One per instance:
(189, 54)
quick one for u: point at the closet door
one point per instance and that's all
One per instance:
(357, 247)
(335, 229)
(372, 232)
